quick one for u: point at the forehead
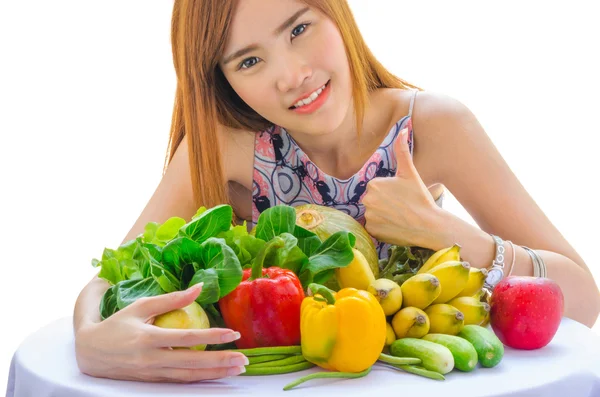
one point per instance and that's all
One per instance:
(255, 20)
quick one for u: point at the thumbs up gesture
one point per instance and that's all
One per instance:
(399, 209)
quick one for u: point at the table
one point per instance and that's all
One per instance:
(44, 365)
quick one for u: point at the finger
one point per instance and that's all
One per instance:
(404, 162)
(149, 307)
(192, 359)
(172, 337)
(179, 375)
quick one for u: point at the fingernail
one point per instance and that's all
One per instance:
(404, 134)
(230, 337)
(239, 361)
(233, 371)
(195, 287)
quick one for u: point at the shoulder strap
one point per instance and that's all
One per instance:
(412, 102)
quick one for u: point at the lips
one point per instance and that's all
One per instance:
(308, 95)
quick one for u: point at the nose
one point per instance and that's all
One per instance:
(294, 71)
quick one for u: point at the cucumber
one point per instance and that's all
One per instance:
(465, 355)
(489, 348)
(433, 356)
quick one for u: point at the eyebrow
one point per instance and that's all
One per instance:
(284, 26)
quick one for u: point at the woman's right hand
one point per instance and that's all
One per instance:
(127, 346)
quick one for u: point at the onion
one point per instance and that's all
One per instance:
(325, 221)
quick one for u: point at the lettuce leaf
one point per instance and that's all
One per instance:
(333, 253)
(175, 255)
(403, 262)
(208, 224)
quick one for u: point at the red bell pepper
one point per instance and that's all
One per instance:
(264, 308)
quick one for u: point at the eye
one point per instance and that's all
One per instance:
(248, 63)
(298, 30)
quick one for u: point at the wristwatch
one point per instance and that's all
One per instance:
(496, 270)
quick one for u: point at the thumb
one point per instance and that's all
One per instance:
(157, 305)
(404, 163)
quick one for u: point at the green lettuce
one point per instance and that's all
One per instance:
(403, 262)
(177, 254)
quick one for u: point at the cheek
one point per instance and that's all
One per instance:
(330, 51)
(253, 92)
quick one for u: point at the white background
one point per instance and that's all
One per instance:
(86, 92)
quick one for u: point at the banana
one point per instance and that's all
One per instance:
(477, 295)
(453, 276)
(410, 322)
(483, 295)
(445, 319)
(473, 309)
(390, 335)
(357, 274)
(388, 293)
(420, 290)
(441, 256)
(486, 320)
(475, 282)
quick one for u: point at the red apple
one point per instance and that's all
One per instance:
(525, 312)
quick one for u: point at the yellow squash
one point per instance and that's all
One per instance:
(325, 221)
(342, 331)
(357, 274)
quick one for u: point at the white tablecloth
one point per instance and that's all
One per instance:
(44, 366)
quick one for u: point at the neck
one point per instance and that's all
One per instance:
(335, 152)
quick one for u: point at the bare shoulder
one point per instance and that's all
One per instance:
(437, 107)
(238, 163)
(435, 116)
(429, 107)
(238, 155)
(441, 122)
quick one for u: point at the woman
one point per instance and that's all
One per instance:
(281, 101)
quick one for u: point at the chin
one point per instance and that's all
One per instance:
(319, 124)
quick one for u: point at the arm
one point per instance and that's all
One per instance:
(126, 345)
(476, 174)
(172, 197)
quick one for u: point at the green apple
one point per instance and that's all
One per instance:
(189, 317)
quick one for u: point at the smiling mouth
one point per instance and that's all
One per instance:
(310, 98)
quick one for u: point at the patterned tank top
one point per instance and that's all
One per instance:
(284, 174)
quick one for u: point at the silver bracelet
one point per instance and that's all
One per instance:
(514, 256)
(541, 264)
(536, 270)
(496, 270)
(539, 267)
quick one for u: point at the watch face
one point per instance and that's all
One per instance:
(494, 276)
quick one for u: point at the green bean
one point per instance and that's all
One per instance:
(386, 358)
(286, 369)
(288, 360)
(259, 351)
(266, 358)
(418, 370)
(320, 375)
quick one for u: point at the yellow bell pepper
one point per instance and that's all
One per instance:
(343, 331)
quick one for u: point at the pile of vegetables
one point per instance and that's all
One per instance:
(304, 288)
(177, 254)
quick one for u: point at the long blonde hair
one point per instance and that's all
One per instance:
(204, 98)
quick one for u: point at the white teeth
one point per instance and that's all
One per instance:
(311, 98)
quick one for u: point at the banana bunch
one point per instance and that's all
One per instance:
(442, 297)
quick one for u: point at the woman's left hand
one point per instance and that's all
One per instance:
(400, 210)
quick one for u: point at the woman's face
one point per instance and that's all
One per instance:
(282, 51)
